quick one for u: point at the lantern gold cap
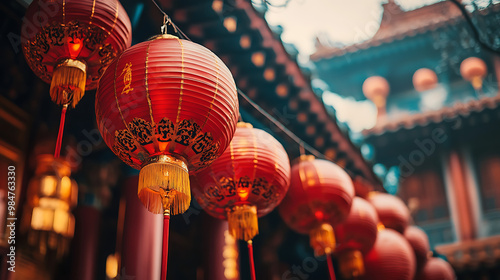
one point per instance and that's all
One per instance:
(163, 36)
(304, 158)
(244, 124)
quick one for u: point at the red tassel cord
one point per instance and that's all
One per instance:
(250, 257)
(164, 258)
(57, 152)
(330, 266)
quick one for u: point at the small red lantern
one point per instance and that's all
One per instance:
(391, 258)
(391, 211)
(420, 244)
(247, 181)
(474, 69)
(424, 79)
(69, 44)
(167, 106)
(355, 237)
(436, 269)
(319, 198)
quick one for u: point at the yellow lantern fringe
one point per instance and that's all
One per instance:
(477, 82)
(243, 224)
(322, 240)
(164, 183)
(68, 82)
(351, 264)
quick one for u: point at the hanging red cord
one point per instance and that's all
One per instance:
(250, 256)
(330, 266)
(166, 224)
(57, 152)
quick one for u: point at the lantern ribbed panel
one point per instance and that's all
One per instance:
(320, 192)
(419, 242)
(103, 26)
(254, 170)
(391, 210)
(359, 230)
(391, 258)
(436, 269)
(175, 96)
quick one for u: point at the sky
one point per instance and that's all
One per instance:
(341, 21)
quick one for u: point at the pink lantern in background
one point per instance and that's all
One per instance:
(436, 269)
(376, 89)
(420, 244)
(474, 69)
(391, 258)
(424, 79)
(392, 211)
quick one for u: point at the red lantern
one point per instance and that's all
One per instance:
(424, 79)
(167, 106)
(420, 244)
(319, 198)
(436, 269)
(355, 237)
(248, 181)
(69, 44)
(474, 69)
(391, 258)
(391, 211)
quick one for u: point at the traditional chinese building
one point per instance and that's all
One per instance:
(442, 140)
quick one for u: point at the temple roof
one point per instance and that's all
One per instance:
(397, 24)
(459, 109)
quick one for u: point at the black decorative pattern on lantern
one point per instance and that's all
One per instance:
(142, 132)
(165, 130)
(55, 34)
(227, 188)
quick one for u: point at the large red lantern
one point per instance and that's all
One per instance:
(69, 44)
(247, 181)
(167, 107)
(436, 269)
(319, 198)
(420, 244)
(391, 210)
(391, 258)
(355, 237)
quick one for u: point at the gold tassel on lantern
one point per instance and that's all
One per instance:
(322, 240)
(68, 82)
(351, 264)
(242, 221)
(165, 178)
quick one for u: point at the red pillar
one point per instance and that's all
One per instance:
(461, 205)
(85, 242)
(142, 238)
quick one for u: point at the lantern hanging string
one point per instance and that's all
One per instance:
(57, 151)
(330, 266)
(250, 257)
(166, 225)
(279, 125)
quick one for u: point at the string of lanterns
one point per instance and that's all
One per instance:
(169, 107)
